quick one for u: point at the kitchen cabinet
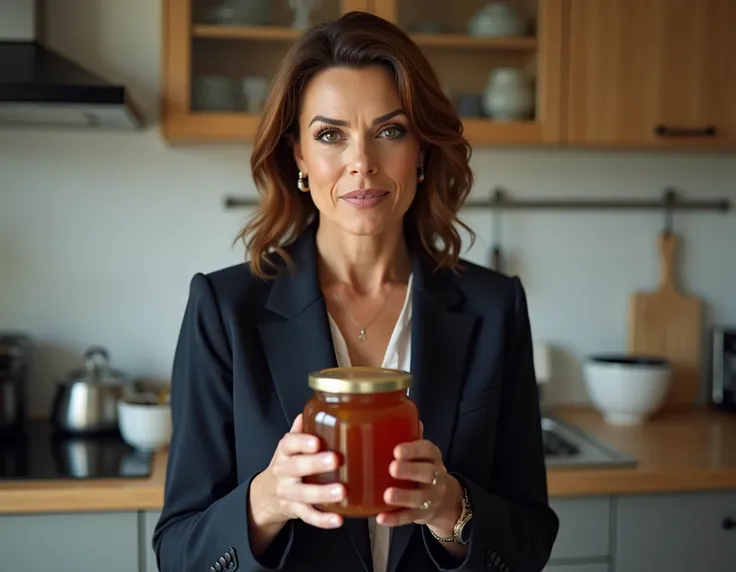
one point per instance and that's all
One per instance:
(675, 532)
(149, 519)
(208, 53)
(595, 567)
(650, 74)
(584, 533)
(210, 48)
(82, 542)
(464, 63)
(635, 74)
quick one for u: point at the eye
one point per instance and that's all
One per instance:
(328, 135)
(393, 131)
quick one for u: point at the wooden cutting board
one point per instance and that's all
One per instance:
(668, 323)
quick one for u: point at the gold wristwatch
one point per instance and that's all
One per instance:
(461, 530)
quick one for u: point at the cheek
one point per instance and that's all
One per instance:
(400, 165)
(323, 167)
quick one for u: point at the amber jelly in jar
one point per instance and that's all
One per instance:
(361, 413)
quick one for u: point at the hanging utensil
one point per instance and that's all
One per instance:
(667, 323)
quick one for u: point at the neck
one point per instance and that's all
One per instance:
(364, 262)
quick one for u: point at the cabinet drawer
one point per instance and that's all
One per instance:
(597, 567)
(682, 531)
(584, 528)
(74, 542)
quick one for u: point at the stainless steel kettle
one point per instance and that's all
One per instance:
(86, 400)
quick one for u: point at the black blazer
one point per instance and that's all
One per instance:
(240, 378)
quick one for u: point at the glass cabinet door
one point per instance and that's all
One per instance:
(237, 46)
(220, 57)
(496, 60)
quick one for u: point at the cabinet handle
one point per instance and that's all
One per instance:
(708, 131)
(728, 523)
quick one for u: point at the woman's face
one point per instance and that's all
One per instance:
(357, 150)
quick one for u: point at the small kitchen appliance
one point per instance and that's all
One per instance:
(15, 355)
(722, 390)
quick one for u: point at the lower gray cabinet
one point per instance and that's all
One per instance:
(148, 524)
(598, 567)
(666, 532)
(584, 529)
(79, 542)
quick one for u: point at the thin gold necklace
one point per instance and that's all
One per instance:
(363, 330)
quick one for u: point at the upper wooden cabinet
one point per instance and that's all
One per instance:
(219, 56)
(218, 51)
(466, 62)
(651, 73)
(602, 73)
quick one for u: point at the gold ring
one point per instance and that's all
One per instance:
(426, 504)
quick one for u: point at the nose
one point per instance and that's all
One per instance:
(362, 162)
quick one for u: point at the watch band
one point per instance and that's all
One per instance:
(457, 530)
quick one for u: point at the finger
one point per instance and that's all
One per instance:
(399, 517)
(418, 471)
(296, 443)
(304, 465)
(296, 491)
(410, 498)
(416, 450)
(298, 425)
(421, 430)
(317, 518)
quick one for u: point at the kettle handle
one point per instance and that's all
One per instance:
(97, 358)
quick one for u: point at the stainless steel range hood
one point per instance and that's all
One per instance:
(40, 87)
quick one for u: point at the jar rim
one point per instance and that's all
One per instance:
(359, 379)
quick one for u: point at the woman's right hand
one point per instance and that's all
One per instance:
(280, 494)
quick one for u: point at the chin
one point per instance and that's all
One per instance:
(369, 226)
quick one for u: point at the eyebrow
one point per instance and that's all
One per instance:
(343, 123)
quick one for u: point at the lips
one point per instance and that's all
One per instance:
(365, 198)
(364, 194)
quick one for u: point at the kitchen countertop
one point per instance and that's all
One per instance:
(688, 451)
(691, 451)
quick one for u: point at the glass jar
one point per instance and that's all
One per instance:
(361, 413)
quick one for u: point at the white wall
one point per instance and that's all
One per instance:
(99, 234)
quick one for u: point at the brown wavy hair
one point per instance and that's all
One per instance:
(355, 40)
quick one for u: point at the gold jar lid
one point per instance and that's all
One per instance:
(359, 379)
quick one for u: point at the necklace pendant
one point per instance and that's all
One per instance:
(362, 336)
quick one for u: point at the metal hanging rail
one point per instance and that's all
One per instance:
(669, 202)
(499, 199)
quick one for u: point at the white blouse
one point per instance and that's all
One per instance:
(397, 356)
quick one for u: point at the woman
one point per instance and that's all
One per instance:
(354, 260)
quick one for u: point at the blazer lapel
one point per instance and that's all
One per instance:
(297, 342)
(441, 342)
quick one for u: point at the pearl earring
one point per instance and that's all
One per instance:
(302, 183)
(420, 173)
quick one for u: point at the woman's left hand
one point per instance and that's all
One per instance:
(436, 501)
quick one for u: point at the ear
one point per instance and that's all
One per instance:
(297, 150)
(422, 155)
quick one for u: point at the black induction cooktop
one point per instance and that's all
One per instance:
(39, 452)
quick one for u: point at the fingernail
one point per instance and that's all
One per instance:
(328, 460)
(334, 521)
(336, 491)
(312, 443)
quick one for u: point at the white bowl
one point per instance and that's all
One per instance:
(144, 426)
(626, 389)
